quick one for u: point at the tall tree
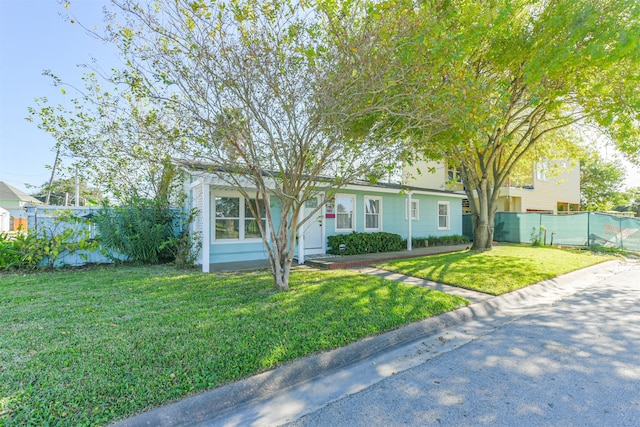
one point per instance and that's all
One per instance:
(504, 76)
(251, 83)
(601, 183)
(114, 137)
(62, 193)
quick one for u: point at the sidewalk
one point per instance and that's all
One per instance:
(287, 392)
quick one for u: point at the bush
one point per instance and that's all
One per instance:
(365, 243)
(146, 232)
(19, 251)
(62, 235)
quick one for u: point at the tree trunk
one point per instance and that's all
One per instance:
(483, 219)
(281, 269)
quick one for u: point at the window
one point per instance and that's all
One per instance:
(372, 213)
(454, 174)
(234, 220)
(541, 170)
(415, 210)
(345, 210)
(443, 215)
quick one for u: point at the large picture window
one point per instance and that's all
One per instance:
(345, 212)
(234, 220)
(443, 215)
(372, 213)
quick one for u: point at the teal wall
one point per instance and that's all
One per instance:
(393, 221)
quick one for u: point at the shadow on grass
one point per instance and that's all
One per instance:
(91, 347)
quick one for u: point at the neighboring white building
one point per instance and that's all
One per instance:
(540, 192)
(5, 220)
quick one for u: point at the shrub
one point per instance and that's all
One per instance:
(19, 251)
(147, 232)
(45, 245)
(365, 243)
(64, 235)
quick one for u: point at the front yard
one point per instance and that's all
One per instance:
(503, 269)
(93, 346)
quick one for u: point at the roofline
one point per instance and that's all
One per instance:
(389, 187)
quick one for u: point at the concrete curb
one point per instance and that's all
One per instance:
(210, 405)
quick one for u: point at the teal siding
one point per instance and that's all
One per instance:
(394, 216)
(394, 220)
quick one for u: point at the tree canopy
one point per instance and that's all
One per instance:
(503, 77)
(601, 183)
(252, 85)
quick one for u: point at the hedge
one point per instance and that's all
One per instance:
(365, 243)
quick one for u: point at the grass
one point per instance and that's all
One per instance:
(94, 346)
(503, 269)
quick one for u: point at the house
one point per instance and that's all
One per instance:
(14, 201)
(547, 187)
(229, 233)
(5, 220)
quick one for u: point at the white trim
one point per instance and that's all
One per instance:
(242, 217)
(300, 237)
(409, 222)
(206, 227)
(448, 205)
(194, 184)
(353, 213)
(424, 192)
(408, 211)
(323, 237)
(379, 214)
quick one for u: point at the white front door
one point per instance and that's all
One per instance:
(312, 229)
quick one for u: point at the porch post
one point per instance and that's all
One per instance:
(409, 231)
(300, 238)
(206, 227)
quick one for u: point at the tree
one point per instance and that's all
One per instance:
(601, 183)
(113, 136)
(250, 83)
(630, 201)
(504, 76)
(62, 193)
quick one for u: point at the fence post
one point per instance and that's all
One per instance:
(588, 229)
(620, 227)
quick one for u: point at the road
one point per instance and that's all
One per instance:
(572, 360)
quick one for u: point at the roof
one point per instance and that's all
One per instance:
(211, 168)
(9, 192)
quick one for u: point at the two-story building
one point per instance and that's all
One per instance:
(539, 189)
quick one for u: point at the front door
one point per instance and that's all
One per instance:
(313, 243)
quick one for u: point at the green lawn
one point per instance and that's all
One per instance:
(503, 269)
(94, 346)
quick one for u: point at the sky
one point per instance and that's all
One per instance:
(37, 35)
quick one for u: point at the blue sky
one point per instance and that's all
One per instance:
(35, 36)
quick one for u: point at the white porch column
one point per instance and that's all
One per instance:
(206, 227)
(409, 231)
(300, 238)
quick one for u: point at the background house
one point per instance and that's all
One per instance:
(547, 187)
(5, 220)
(14, 201)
